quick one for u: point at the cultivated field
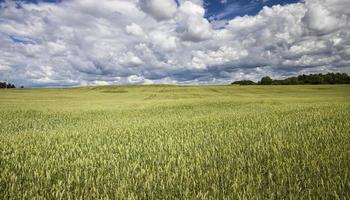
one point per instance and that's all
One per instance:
(167, 142)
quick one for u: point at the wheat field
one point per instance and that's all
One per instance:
(175, 142)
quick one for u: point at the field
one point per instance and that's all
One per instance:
(171, 142)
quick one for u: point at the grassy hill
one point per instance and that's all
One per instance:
(167, 142)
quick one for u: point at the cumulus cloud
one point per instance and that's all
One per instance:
(192, 25)
(159, 9)
(322, 20)
(135, 30)
(90, 42)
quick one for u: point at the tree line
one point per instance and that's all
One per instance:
(311, 79)
(6, 85)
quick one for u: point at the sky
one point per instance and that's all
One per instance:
(64, 43)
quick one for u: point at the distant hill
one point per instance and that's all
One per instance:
(311, 79)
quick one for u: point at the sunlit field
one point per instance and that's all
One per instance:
(169, 142)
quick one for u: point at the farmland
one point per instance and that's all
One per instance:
(172, 142)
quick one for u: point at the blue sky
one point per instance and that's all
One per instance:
(90, 42)
(229, 9)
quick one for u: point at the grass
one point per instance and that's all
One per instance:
(168, 142)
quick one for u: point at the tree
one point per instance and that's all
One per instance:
(243, 82)
(6, 85)
(2, 85)
(266, 81)
(314, 79)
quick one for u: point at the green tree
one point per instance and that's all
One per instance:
(244, 82)
(266, 81)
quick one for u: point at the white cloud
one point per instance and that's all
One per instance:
(4, 67)
(134, 29)
(90, 42)
(159, 9)
(162, 41)
(321, 20)
(192, 25)
(134, 79)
